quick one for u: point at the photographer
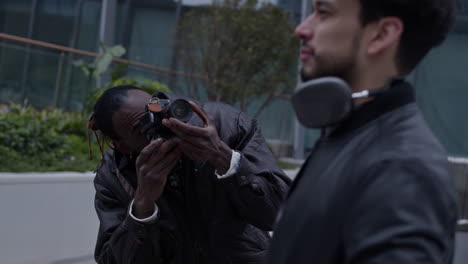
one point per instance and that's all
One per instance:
(206, 193)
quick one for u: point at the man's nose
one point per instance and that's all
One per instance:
(303, 31)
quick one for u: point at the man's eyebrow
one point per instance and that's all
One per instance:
(322, 3)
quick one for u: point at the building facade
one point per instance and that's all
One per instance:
(146, 28)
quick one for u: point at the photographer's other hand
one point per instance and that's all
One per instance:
(153, 165)
(202, 143)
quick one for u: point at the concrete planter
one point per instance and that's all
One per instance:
(47, 218)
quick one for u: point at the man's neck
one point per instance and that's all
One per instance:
(370, 80)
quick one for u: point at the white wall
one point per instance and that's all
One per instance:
(461, 248)
(47, 218)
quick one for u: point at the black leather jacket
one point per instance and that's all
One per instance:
(377, 189)
(202, 219)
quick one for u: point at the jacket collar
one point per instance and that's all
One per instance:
(125, 165)
(123, 161)
(395, 97)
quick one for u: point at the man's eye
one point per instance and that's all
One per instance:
(322, 12)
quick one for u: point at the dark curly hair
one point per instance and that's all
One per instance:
(426, 25)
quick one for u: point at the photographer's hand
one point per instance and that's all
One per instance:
(202, 143)
(153, 165)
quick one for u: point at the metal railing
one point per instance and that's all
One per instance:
(94, 54)
(57, 84)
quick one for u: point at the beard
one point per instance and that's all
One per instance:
(333, 66)
(341, 69)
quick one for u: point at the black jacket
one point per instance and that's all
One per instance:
(202, 219)
(376, 189)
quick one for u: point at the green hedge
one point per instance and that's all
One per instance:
(46, 140)
(52, 139)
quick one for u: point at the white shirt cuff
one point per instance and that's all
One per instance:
(147, 220)
(235, 163)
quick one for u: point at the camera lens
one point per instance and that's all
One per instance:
(181, 109)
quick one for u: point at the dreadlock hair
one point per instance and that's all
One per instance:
(101, 119)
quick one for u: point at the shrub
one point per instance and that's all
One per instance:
(47, 140)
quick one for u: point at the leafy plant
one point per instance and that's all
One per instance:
(102, 62)
(43, 140)
(29, 131)
(148, 85)
(101, 65)
(56, 140)
(238, 52)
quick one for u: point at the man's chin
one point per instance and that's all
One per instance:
(307, 76)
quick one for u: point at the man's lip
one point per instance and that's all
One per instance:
(305, 54)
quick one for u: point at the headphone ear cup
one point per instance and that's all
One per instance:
(322, 102)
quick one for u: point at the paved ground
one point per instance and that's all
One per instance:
(77, 260)
(68, 201)
(461, 251)
(461, 254)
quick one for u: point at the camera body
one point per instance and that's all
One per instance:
(158, 109)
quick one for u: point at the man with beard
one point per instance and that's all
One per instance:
(208, 194)
(376, 186)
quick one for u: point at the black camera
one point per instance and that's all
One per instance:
(158, 109)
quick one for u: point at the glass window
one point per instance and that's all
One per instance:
(35, 73)
(14, 16)
(463, 7)
(152, 33)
